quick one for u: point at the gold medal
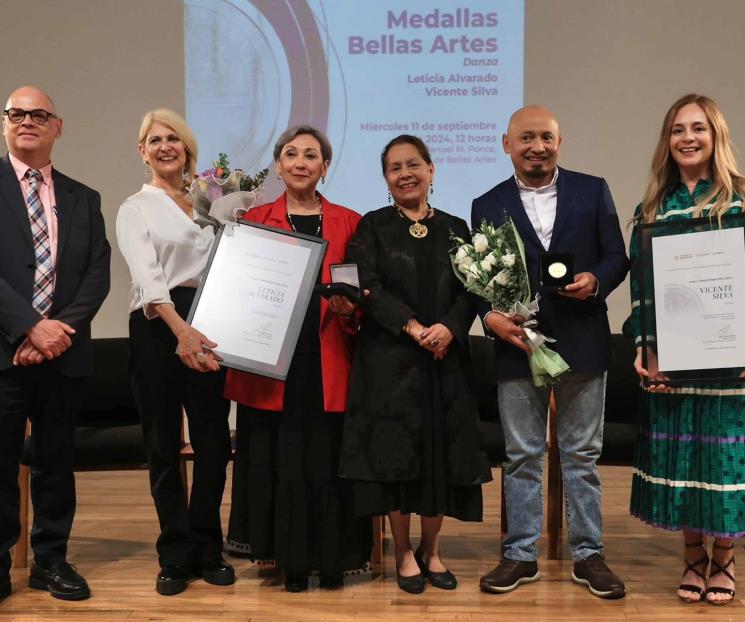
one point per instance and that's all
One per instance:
(557, 269)
(418, 230)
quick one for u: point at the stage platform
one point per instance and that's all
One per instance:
(115, 528)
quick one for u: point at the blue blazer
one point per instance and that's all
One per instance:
(587, 225)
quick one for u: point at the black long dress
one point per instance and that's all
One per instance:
(288, 503)
(410, 434)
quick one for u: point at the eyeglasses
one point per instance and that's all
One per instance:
(38, 115)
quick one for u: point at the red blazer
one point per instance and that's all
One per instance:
(339, 223)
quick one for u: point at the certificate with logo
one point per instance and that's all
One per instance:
(692, 276)
(254, 295)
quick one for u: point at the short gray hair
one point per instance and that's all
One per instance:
(290, 134)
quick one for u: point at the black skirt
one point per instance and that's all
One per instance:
(432, 494)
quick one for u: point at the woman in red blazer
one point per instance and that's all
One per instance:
(288, 504)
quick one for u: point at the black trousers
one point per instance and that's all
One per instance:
(51, 402)
(190, 530)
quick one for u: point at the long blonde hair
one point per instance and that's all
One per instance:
(726, 181)
(177, 123)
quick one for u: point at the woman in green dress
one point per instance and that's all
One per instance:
(689, 470)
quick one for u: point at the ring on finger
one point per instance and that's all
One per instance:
(201, 358)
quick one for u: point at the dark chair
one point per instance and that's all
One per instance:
(108, 434)
(485, 388)
(490, 426)
(622, 405)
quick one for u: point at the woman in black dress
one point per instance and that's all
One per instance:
(410, 433)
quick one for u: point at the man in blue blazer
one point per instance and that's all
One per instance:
(54, 276)
(557, 211)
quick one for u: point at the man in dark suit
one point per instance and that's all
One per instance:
(557, 211)
(54, 276)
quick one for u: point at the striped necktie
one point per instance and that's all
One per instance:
(44, 276)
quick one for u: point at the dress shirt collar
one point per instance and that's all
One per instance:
(21, 168)
(550, 184)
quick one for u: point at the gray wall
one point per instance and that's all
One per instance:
(608, 68)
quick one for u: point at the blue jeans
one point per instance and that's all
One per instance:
(580, 404)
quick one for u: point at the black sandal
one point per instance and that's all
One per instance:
(692, 567)
(721, 570)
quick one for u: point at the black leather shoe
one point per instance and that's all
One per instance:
(442, 580)
(599, 579)
(330, 581)
(60, 580)
(412, 585)
(218, 572)
(173, 579)
(296, 582)
(6, 589)
(508, 575)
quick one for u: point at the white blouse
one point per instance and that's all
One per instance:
(162, 246)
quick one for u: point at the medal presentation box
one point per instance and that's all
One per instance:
(556, 270)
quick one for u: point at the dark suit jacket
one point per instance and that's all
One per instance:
(82, 268)
(587, 225)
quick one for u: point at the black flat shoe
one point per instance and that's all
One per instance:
(296, 582)
(330, 581)
(61, 581)
(441, 580)
(173, 579)
(218, 572)
(412, 585)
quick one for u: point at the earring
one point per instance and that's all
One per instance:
(148, 171)
(431, 188)
(323, 180)
(279, 177)
(390, 199)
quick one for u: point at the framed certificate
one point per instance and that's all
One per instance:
(254, 294)
(692, 299)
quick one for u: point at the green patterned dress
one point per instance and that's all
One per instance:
(689, 467)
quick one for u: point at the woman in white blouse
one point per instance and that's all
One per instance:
(167, 252)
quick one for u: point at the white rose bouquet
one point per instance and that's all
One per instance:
(492, 266)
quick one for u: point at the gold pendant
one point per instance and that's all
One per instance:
(418, 230)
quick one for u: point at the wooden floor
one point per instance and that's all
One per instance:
(115, 527)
